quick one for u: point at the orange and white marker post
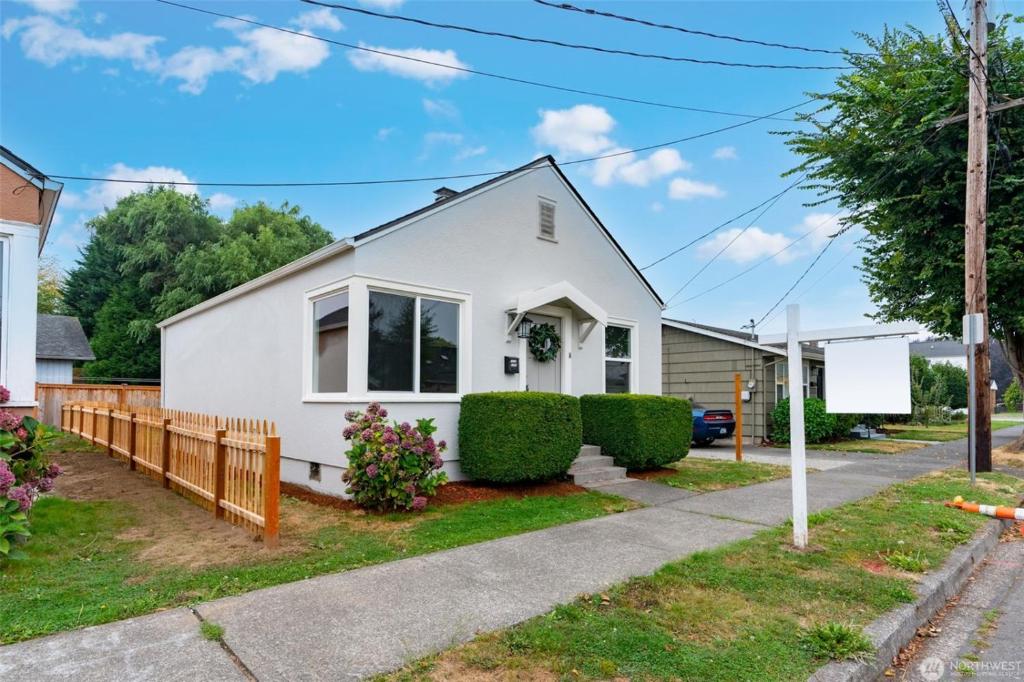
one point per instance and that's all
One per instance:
(1009, 513)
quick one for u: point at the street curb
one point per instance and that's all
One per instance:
(895, 629)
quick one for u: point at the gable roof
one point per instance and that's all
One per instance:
(48, 197)
(347, 243)
(738, 337)
(60, 337)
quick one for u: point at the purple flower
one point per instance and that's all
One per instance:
(366, 435)
(45, 485)
(54, 470)
(442, 446)
(372, 471)
(22, 495)
(387, 457)
(410, 488)
(437, 461)
(417, 450)
(390, 437)
(349, 431)
(351, 415)
(377, 426)
(405, 427)
(419, 503)
(6, 477)
(373, 408)
(9, 421)
(5, 394)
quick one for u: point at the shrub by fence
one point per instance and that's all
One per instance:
(518, 437)
(638, 431)
(51, 397)
(230, 467)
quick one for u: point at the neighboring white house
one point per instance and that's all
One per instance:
(338, 328)
(27, 201)
(60, 343)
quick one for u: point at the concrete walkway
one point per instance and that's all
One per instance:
(354, 624)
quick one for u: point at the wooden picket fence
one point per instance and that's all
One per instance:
(51, 397)
(231, 467)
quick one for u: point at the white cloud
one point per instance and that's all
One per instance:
(221, 202)
(386, 5)
(638, 172)
(260, 55)
(396, 66)
(582, 129)
(385, 133)
(470, 152)
(435, 138)
(725, 154)
(51, 6)
(819, 227)
(750, 245)
(318, 18)
(684, 189)
(103, 195)
(44, 40)
(440, 108)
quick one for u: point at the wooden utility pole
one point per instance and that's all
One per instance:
(975, 267)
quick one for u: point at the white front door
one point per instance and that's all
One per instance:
(545, 376)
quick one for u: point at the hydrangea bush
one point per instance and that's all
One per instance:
(24, 475)
(391, 465)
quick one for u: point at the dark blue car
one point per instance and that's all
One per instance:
(711, 424)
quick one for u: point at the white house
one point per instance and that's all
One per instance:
(27, 202)
(338, 328)
(60, 343)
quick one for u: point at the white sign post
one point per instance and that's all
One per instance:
(885, 387)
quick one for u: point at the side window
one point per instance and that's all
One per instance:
(330, 340)
(618, 359)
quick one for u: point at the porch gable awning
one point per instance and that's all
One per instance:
(588, 314)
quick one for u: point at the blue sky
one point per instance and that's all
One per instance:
(144, 90)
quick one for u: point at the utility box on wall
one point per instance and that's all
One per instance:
(511, 365)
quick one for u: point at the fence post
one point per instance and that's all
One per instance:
(271, 490)
(63, 413)
(110, 432)
(92, 431)
(219, 471)
(165, 452)
(124, 395)
(131, 441)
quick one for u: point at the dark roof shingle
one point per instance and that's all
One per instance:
(60, 337)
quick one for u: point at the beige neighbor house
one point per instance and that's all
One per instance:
(699, 362)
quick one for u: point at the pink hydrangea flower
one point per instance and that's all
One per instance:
(22, 495)
(5, 394)
(6, 477)
(372, 471)
(419, 503)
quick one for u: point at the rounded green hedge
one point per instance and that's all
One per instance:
(518, 437)
(819, 424)
(639, 431)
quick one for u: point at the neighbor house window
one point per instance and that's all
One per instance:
(413, 344)
(330, 352)
(618, 359)
(782, 381)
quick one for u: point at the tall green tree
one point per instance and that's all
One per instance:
(876, 149)
(49, 294)
(256, 240)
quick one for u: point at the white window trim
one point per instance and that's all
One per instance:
(634, 355)
(358, 288)
(805, 380)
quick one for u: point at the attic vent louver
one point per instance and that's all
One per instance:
(547, 220)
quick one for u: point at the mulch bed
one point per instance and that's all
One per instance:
(459, 492)
(653, 474)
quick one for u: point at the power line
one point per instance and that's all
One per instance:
(574, 46)
(475, 72)
(800, 278)
(818, 281)
(732, 241)
(432, 178)
(691, 31)
(716, 229)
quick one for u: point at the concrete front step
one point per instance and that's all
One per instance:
(592, 468)
(602, 475)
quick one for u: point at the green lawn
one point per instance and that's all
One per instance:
(885, 447)
(754, 609)
(705, 475)
(86, 560)
(938, 432)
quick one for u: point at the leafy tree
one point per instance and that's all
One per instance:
(256, 240)
(1012, 396)
(902, 179)
(49, 296)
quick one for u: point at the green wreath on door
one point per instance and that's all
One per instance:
(544, 342)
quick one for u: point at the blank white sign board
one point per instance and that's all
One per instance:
(868, 376)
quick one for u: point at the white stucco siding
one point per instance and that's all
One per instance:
(18, 326)
(244, 357)
(487, 244)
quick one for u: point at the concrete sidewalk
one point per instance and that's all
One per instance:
(351, 625)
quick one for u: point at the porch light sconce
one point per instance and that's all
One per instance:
(524, 328)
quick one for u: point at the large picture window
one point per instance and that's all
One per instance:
(618, 359)
(330, 355)
(406, 356)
